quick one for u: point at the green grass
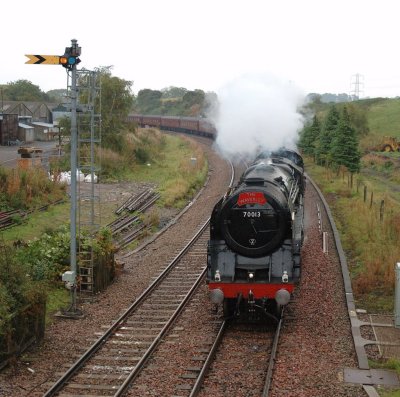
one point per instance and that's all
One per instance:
(383, 117)
(57, 298)
(166, 167)
(383, 183)
(390, 393)
(39, 222)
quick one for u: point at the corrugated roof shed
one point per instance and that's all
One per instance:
(41, 124)
(25, 126)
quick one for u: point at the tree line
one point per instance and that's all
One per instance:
(332, 141)
(117, 101)
(172, 101)
(24, 91)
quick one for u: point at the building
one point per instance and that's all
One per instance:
(38, 111)
(45, 131)
(9, 129)
(25, 122)
(26, 132)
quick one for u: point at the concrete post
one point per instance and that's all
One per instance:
(325, 242)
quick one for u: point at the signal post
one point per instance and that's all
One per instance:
(69, 60)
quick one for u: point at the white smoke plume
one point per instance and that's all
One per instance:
(257, 112)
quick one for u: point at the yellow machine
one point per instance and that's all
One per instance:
(389, 144)
(27, 152)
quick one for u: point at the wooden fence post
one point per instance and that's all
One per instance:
(382, 210)
(365, 194)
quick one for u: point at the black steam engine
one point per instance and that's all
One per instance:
(256, 234)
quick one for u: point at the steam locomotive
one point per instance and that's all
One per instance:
(256, 235)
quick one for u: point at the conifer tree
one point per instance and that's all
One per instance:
(309, 136)
(344, 148)
(326, 136)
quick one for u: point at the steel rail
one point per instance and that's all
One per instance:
(210, 357)
(98, 344)
(268, 378)
(129, 237)
(131, 200)
(140, 365)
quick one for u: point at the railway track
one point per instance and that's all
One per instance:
(317, 363)
(205, 347)
(242, 362)
(210, 357)
(127, 227)
(111, 364)
(116, 359)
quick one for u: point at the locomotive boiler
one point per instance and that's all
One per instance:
(256, 235)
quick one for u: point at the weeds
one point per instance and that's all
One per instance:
(27, 189)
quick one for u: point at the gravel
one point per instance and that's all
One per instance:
(316, 343)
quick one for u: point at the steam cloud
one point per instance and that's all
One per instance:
(257, 112)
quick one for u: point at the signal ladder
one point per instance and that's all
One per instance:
(88, 167)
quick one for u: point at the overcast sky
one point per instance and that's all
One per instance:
(316, 45)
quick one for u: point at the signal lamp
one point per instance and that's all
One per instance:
(68, 61)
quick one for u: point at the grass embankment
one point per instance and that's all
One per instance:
(383, 120)
(369, 231)
(38, 222)
(179, 171)
(383, 117)
(370, 235)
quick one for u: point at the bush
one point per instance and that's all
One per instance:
(141, 155)
(48, 257)
(17, 291)
(112, 165)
